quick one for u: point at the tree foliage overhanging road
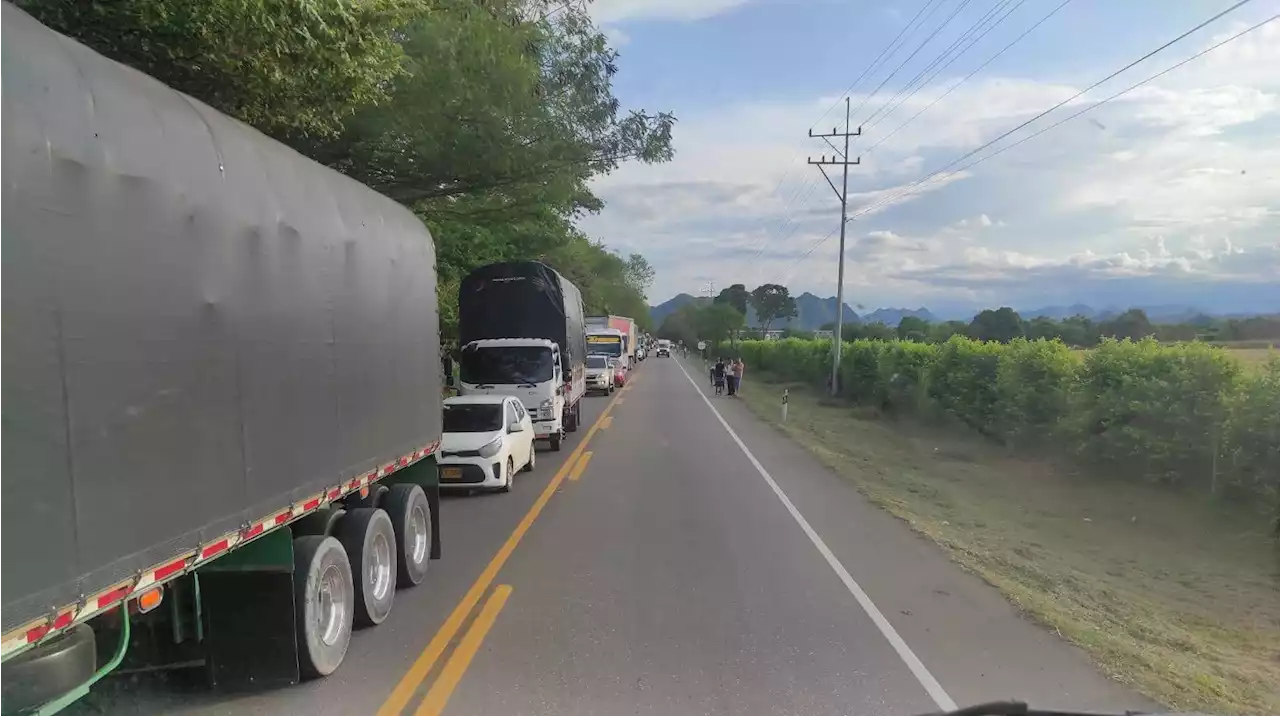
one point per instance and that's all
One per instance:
(488, 118)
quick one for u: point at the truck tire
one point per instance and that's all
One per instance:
(323, 599)
(49, 670)
(370, 540)
(411, 520)
(556, 439)
(571, 418)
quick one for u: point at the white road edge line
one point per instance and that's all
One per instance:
(891, 635)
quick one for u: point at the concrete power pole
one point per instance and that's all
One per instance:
(840, 159)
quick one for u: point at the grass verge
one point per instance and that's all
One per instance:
(1178, 599)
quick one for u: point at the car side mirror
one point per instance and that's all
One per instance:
(515, 427)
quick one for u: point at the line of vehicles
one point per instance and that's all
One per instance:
(224, 427)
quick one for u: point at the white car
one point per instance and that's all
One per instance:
(599, 374)
(486, 439)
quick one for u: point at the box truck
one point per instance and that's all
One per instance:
(601, 325)
(221, 388)
(520, 324)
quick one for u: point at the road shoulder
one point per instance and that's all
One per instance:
(966, 633)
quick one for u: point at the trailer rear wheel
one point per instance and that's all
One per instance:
(411, 519)
(556, 439)
(571, 418)
(324, 599)
(370, 541)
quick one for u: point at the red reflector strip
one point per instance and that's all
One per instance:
(282, 518)
(404, 461)
(254, 531)
(219, 546)
(372, 476)
(64, 620)
(113, 596)
(170, 569)
(310, 504)
(37, 633)
(354, 484)
(335, 493)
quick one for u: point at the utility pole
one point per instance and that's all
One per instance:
(840, 159)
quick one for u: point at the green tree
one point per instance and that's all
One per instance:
(287, 67)
(510, 116)
(772, 302)
(940, 332)
(1132, 324)
(718, 322)
(737, 296)
(913, 328)
(1002, 324)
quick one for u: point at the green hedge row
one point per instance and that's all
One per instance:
(1184, 414)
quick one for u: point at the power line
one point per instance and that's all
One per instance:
(915, 52)
(876, 62)
(925, 179)
(975, 71)
(888, 51)
(936, 67)
(788, 218)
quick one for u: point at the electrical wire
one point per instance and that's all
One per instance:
(937, 67)
(932, 175)
(969, 76)
(927, 40)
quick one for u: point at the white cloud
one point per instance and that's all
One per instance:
(1174, 187)
(614, 11)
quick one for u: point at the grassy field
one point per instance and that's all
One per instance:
(1179, 600)
(1253, 357)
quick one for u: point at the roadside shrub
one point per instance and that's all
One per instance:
(1153, 410)
(1182, 414)
(963, 381)
(1033, 390)
(904, 373)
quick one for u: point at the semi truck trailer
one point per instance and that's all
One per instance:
(520, 324)
(221, 389)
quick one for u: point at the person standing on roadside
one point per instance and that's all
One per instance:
(739, 367)
(718, 375)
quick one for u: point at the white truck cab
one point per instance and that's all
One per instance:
(528, 369)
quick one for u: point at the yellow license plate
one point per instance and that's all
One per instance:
(451, 473)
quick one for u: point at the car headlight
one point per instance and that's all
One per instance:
(491, 448)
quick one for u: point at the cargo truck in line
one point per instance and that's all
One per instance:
(520, 324)
(222, 398)
(598, 325)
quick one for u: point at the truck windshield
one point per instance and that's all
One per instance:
(597, 362)
(472, 418)
(507, 365)
(606, 345)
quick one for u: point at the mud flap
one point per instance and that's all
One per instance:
(246, 599)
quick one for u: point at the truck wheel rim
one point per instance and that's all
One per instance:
(380, 567)
(418, 534)
(332, 605)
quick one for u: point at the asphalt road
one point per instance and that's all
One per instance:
(695, 562)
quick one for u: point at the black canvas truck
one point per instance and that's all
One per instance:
(522, 332)
(221, 388)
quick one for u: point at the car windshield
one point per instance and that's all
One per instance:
(597, 362)
(506, 365)
(472, 417)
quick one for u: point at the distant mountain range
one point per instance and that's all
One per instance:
(815, 312)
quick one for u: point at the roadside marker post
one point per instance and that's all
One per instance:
(785, 393)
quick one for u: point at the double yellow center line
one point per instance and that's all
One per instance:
(434, 702)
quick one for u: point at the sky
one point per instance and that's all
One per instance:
(1167, 194)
